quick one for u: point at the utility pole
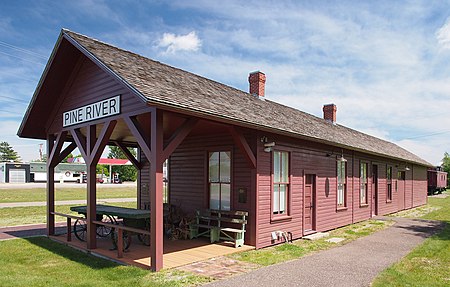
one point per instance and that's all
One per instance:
(40, 151)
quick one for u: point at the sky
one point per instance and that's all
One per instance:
(385, 64)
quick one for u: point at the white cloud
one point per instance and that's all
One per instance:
(174, 43)
(443, 35)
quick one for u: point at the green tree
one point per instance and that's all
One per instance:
(126, 172)
(7, 153)
(446, 166)
(70, 155)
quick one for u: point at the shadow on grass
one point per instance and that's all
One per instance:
(21, 233)
(426, 228)
(70, 253)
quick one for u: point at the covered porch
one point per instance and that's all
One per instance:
(175, 253)
(158, 135)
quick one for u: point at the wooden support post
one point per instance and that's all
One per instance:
(91, 149)
(69, 229)
(156, 190)
(91, 189)
(50, 188)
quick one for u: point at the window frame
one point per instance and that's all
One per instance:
(389, 178)
(366, 184)
(342, 206)
(208, 182)
(287, 211)
(166, 182)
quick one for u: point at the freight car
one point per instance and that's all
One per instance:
(437, 180)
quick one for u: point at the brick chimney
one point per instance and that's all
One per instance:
(329, 113)
(257, 82)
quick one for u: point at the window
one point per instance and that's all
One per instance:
(166, 181)
(280, 182)
(401, 175)
(389, 183)
(219, 167)
(342, 184)
(364, 184)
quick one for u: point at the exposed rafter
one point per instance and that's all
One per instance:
(241, 142)
(128, 154)
(138, 132)
(177, 138)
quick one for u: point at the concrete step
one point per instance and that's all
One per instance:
(316, 236)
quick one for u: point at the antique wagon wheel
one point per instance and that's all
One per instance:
(145, 238)
(126, 239)
(104, 231)
(80, 229)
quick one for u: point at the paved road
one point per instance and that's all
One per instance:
(24, 231)
(30, 185)
(353, 264)
(65, 202)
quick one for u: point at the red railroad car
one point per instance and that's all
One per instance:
(437, 180)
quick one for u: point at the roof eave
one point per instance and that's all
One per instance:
(278, 131)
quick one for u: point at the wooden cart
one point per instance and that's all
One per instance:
(136, 218)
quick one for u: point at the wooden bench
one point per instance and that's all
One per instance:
(217, 224)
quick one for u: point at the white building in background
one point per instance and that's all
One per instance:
(14, 172)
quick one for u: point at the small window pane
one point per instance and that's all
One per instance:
(276, 195)
(276, 167)
(225, 166)
(225, 202)
(282, 198)
(213, 167)
(214, 202)
(284, 167)
(340, 194)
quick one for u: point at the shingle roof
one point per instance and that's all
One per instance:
(169, 86)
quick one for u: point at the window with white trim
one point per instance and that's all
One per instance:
(280, 182)
(389, 183)
(219, 167)
(341, 184)
(364, 190)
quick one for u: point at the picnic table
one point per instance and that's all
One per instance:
(131, 217)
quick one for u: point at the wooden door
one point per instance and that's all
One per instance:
(401, 190)
(309, 208)
(374, 190)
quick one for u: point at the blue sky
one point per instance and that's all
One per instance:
(385, 64)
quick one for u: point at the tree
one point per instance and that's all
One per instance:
(446, 166)
(126, 172)
(7, 153)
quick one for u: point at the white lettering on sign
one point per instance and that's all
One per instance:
(92, 112)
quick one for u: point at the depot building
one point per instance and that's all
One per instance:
(226, 149)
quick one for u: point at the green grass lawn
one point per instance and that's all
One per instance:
(299, 248)
(12, 216)
(429, 263)
(39, 261)
(39, 194)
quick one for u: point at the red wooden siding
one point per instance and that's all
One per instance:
(91, 84)
(307, 158)
(188, 187)
(419, 185)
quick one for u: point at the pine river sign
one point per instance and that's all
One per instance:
(94, 111)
